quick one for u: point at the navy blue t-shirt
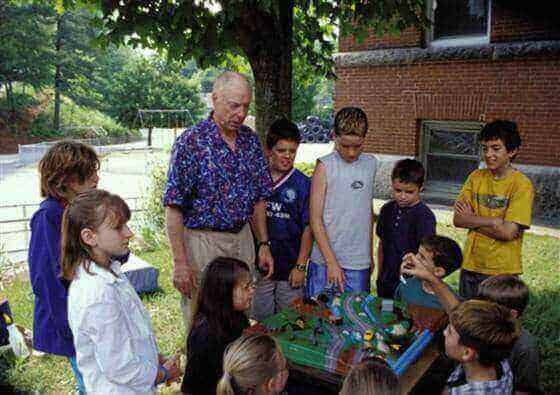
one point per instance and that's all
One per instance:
(287, 212)
(400, 229)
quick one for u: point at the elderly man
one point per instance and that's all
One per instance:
(218, 180)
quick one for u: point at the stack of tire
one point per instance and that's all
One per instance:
(313, 130)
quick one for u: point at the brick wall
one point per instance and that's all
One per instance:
(514, 24)
(396, 98)
(507, 24)
(408, 38)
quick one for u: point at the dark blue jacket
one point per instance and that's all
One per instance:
(287, 212)
(51, 332)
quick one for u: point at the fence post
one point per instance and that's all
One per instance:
(150, 136)
(25, 232)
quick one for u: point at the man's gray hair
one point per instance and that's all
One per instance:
(228, 79)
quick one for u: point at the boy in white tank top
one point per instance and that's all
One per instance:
(341, 210)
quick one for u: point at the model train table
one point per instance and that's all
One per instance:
(324, 338)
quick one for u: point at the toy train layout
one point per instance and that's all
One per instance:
(337, 331)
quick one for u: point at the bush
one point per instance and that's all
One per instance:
(305, 168)
(21, 100)
(78, 122)
(152, 220)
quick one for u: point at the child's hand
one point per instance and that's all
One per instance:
(463, 208)
(407, 261)
(414, 267)
(297, 278)
(173, 366)
(265, 261)
(335, 275)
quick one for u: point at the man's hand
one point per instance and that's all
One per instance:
(335, 275)
(266, 262)
(185, 278)
(297, 278)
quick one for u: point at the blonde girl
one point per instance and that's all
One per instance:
(253, 365)
(371, 377)
(116, 351)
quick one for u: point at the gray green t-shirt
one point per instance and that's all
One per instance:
(347, 214)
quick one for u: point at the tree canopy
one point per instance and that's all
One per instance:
(23, 48)
(268, 33)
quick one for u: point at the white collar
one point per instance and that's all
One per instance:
(283, 179)
(105, 274)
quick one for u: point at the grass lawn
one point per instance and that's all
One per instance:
(541, 258)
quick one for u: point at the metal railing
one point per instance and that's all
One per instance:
(18, 225)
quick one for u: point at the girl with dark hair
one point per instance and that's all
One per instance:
(219, 319)
(116, 350)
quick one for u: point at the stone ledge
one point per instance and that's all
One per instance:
(492, 52)
(545, 179)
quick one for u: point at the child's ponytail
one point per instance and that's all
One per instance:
(249, 362)
(226, 385)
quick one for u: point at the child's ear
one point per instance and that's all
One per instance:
(269, 385)
(469, 354)
(512, 153)
(421, 189)
(70, 182)
(88, 237)
(514, 313)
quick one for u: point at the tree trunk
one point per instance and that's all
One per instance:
(58, 72)
(272, 65)
(10, 96)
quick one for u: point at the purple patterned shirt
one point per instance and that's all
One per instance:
(215, 187)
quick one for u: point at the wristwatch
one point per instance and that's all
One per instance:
(263, 243)
(302, 267)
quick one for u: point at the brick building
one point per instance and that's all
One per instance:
(427, 94)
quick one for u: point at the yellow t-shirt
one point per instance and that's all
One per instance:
(510, 198)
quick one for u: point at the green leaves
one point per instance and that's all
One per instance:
(26, 32)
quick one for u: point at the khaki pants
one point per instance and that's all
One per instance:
(203, 246)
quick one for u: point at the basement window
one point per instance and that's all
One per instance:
(449, 151)
(459, 22)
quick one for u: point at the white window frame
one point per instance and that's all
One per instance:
(460, 41)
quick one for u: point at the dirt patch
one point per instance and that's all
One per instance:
(9, 142)
(15, 126)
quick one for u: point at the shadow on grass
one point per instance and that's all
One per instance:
(542, 320)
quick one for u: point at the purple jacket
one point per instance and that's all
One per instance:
(51, 332)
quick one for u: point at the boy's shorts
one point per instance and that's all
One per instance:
(272, 296)
(317, 281)
(469, 282)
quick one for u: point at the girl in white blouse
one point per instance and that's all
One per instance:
(115, 346)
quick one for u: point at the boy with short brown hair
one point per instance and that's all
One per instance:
(480, 336)
(495, 206)
(511, 292)
(341, 210)
(441, 256)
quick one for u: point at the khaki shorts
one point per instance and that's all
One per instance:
(203, 246)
